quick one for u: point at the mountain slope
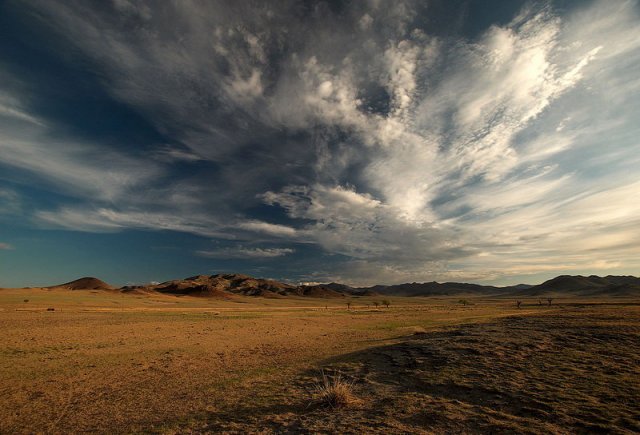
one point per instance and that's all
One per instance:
(435, 289)
(230, 285)
(579, 285)
(225, 285)
(86, 283)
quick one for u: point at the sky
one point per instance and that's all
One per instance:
(364, 142)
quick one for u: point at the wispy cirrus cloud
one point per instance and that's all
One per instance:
(408, 152)
(10, 202)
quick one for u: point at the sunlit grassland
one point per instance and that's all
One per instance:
(108, 362)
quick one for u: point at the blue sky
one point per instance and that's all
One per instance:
(362, 142)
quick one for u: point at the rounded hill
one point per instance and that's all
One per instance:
(86, 283)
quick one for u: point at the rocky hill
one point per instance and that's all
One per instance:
(225, 285)
(586, 286)
(86, 283)
(229, 285)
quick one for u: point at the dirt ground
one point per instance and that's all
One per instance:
(106, 363)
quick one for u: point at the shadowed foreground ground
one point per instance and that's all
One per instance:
(573, 371)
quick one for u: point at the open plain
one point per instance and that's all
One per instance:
(112, 363)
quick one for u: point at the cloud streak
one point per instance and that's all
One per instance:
(406, 152)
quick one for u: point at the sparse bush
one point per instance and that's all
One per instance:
(518, 303)
(376, 304)
(51, 309)
(386, 303)
(463, 301)
(348, 305)
(26, 300)
(549, 300)
(334, 391)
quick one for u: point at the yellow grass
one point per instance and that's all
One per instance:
(334, 391)
(107, 363)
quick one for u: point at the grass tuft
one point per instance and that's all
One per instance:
(334, 391)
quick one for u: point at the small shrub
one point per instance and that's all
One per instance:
(334, 391)
(51, 309)
(26, 300)
(518, 303)
(376, 304)
(386, 303)
(463, 302)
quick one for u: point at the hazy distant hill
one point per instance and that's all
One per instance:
(86, 283)
(228, 285)
(323, 290)
(442, 289)
(583, 286)
(586, 286)
(409, 289)
(224, 285)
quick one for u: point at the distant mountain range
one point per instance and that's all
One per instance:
(586, 286)
(228, 285)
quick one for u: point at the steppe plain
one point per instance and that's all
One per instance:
(109, 362)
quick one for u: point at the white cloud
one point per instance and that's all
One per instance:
(246, 88)
(172, 154)
(267, 228)
(359, 226)
(402, 61)
(11, 108)
(365, 22)
(109, 220)
(81, 169)
(443, 134)
(10, 202)
(414, 155)
(75, 167)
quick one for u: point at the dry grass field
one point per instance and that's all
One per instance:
(111, 363)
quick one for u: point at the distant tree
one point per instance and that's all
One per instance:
(539, 301)
(463, 302)
(518, 303)
(376, 304)
(348, 305)
(549, 300)
(386, 303)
